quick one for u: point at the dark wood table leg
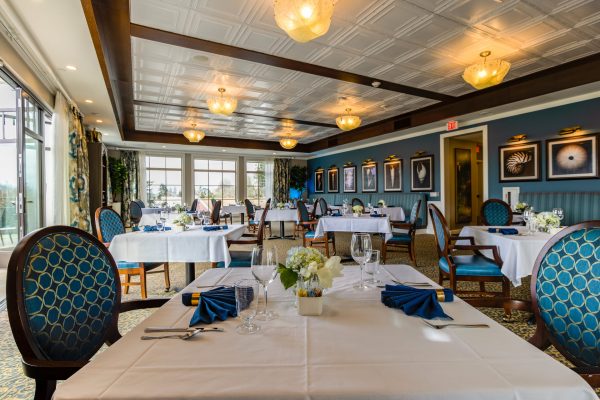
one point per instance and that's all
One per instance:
(242, 218)
(190, 272)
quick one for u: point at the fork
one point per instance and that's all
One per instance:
(185, 336)
(407, 283)
(185, 330)
(442, 326)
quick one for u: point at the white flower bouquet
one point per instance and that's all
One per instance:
(183, 219)
(280, 205)
(521, 206)
(381, 203)
(357, 209)
(547, 220)
(306, 264)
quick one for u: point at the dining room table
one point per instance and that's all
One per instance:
(356, 349)
(281, 215)
(350, 223)
(191, 246)
(235, 209)
(518, 251)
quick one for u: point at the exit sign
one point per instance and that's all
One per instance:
(451, 125)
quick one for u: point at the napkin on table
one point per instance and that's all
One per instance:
(215, 227)
(509, 231)
(424, 303)
(211, 304)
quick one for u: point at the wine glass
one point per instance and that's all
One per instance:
(164, 215)
(558, 212)
(528, 216)
(372, 267)
(361, 249)
(264, 268)
(246, 302)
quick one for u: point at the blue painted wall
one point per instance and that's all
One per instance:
(538, 125)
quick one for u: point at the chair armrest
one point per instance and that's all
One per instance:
(401, 225)
(249, 235)
(471, 239)
(477, 248)
(51, 370)
(308, 223)
(141, 304)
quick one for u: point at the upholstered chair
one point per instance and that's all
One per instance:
(108, 225)
(252, 223)
(63, 300)
(308, 223)
(135, 212)
(565, 290)
(322, 209)
(357, 202)
(495, 212)
(194, 206)
(403, 241)
(470, 268)
(222, 214)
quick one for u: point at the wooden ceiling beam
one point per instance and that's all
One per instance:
(176, 39)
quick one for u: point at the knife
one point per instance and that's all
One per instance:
(152, 329)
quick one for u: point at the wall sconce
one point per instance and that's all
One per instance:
(368, 161)
(348, 164)
(333, 166)
(391, 157)
(319, 169)
(570, 130)
(517, 138)
(420, 153)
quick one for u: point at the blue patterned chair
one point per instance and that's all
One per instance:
(63, 302)
(108, 225)
(135, 212)
(308, 222)
(403, 240)
(565, 289)
(222, 214)
(322, 208)
(471, 268)
(252, 222)
(495, 212)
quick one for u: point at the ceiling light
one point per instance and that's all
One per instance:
(288, 143)
(348, 122)
(486, 73)
(223, 150)
(304, 20)
(99, 121)
(164, 147)
(71, 68)
(222, 105)
(193, 135)
(88, 101)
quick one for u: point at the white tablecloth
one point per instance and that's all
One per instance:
(276, 214)
(151, 215)
(350, 223)
(233, 209)
(195, 245)
(393, 213)
(518, 252)
(358, 349)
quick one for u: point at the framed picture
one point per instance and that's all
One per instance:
(572, 158)
(421, 174)
(369, 177)
(464, 203)
(319, 181)
(521, 162)
(333, 180)
(350, 179)
(392, 176)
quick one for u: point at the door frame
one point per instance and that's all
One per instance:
(484, 135)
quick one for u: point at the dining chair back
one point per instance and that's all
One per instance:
(440, 230)
(215, 216)
(565, 288)
(108, 224)
(322, 207)
(303, 214)
(404, 240)
(250, 210)
(495, 212)
(135, 212)
(141, 203)
(194, 206)
(357, 202)
(414, 213)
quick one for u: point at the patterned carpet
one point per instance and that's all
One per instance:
(13, 385)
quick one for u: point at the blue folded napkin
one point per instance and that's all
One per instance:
(378, 215)
(212, 304)
(135, 228)
(154, 228)
(209, 228)
(509, 231)
(424, 303)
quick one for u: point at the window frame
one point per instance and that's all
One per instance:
(181, 169)
(261, 200)
(236, 171)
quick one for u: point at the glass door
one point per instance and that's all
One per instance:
(9, 234)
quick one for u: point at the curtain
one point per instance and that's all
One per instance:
(281, 179)
(79, 200)
(268, 180)
(130, 186)
(57, 165)
(142, 182)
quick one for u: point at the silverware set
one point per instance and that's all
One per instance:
(407, 283)
(185, 333)
(442, 326)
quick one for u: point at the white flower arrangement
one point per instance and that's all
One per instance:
(280, 206)
(521, 206)
(183, 219)
(306, 263)
(357, 209)
(381, 203)
(547, 220)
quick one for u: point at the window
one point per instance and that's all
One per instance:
(214, 179)
(163, 180)
(255, 182)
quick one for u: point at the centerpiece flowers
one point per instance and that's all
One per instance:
(357, 209)
(182, 220)
(280, 206)
(381, 203)
(521, 206)
(547, 221)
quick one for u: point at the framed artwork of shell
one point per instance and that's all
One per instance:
(573, 157)
(520, 162)
(421, 174)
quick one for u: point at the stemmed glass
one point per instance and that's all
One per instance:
(264, 269)
(528, 216)
(558, 212)
(361, 249)
(246, 302)
(372, 267)
(164, 215)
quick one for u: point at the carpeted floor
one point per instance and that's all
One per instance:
(13, 385)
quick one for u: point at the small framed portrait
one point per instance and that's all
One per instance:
(350, 179)
(333, 180)
(319, 184)
(421, 174)
(369, 178)
(392, 176)
(520, 162)
(573, 158)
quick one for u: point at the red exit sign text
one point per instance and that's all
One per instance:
(451, 125)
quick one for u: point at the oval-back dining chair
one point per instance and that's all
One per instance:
(109, 225)
(63, 300)
(403, 240)
(495, 212)
(215, 215)
(357, 202)
(565, 290)
(307, 221)
(135, 212)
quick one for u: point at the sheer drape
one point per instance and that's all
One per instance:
(142, 182)
(79, 200)
(130, 186)
(268, 180)
(281, 179)
(57, 165)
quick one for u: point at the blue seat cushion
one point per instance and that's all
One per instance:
(400, 238)
(239, 259)
(309, 234)
(475, 265)
(128, 265)
(252, 222)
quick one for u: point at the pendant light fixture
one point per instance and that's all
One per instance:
(348, 122)
(304, 20)
(288, 143)
(193, 135)
(221, 104)
(486, 73)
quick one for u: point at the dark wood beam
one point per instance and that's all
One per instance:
(175, 39)
(182, 107)
(212, 141)
(565, 76)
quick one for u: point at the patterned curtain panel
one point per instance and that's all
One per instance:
(281, 179)
(79, 201)
(131, 185)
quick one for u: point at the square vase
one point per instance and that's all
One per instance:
(178, 228)
(310, 305)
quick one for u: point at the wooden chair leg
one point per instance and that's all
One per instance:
(143, 282)
(303, 241)
(411, 252)
(167, 278)
(126, 283)
(333, 244)
(326, 246)
(440, 277)
(44, 389)
(482, 286)
(506, 299)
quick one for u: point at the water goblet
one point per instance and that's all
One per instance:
(164, 215)
(246, 302)
(372, 267)
(361, 249)
(559, 213)
(263, 265)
